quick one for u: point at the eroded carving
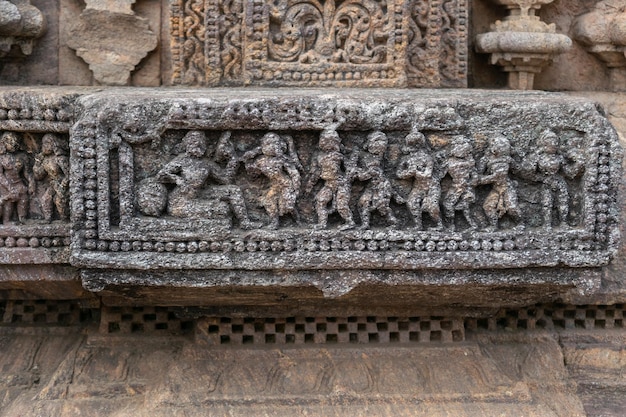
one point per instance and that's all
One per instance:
(112, 39)
(20, 24)
(213, 178)
(277, 160)
(496, 169)
(188, 173)
(548, 165)
(521, 43)
(15, 182)
(34, 177)
(33, 183)
(602, 32)
(378, 191)
(329, 164)
(51, 169)
(419, 43)
(418, 165)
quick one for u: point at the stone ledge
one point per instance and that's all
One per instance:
(121, 137)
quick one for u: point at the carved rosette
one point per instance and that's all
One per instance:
(521, 43)
(554, 205)
(394, 43)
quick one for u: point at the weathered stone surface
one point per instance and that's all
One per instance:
(418, 43)
(603, 32)
(123, 376)
(111, 40)
(157, 134)
(34, 177)
(522, 44)
(20, 24)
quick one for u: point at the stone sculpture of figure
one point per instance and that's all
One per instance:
(502, 198)
(418, 165)
(461, 167)
(378, 192)
(545, 165)
(51, 169)
(189, 172)
(14, 191)
(327, 166)
(277, 160)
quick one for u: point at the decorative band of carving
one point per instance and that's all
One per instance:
(399, 183)
(419, 43)
(34, 176)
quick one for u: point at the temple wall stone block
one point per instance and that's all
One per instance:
(316, 207)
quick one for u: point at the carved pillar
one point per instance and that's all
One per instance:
(603, 32)
(20, 25)
(522, 44)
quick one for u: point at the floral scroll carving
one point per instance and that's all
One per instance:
(392, 43)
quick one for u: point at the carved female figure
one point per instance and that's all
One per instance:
(13, 189)
(545, 166)
(418, 165)
(378, 192)
(327, 166)
(276, 159)
(502, 198)
(51, 168)
(461, 167)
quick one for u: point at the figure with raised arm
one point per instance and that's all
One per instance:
(326, 165)
(502, 199)
(276, 159)
(15, 182)
(461, 167)
(51, 169)
(418, 165)
(190, 171)
(378, 190)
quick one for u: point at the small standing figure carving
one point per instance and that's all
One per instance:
(277, 160)
(378, 192)
(545, 166)
(418, 165)
(51, 168)
(502, 198)
(190, 171)
(14, 191)
(326, 165)
(461, 167)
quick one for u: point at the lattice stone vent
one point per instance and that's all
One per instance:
(127, 320)
(43, 313)
(553, 317)
(327, 330)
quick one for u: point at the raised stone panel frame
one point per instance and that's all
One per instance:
(34, 115)
(100, 243)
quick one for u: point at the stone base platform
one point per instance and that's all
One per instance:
(543, 360)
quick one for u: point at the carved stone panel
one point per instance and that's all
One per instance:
(417, 43)
(297, 181)
(34, 177)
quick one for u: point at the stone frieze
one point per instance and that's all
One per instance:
(34, 178)
(369, 180)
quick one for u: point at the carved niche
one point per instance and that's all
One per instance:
(400, 182)
(388, 43)
(34, 178)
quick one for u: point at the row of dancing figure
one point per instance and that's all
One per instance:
(545, 165)
(337, 170)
